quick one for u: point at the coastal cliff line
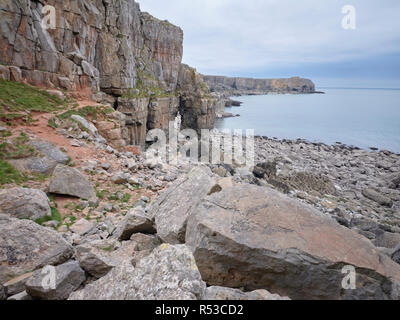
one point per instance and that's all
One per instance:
(248, 86)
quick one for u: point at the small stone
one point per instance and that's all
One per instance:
(120, 178)
(82, 227)
(69, 276)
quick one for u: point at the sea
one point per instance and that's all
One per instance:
(365, 118)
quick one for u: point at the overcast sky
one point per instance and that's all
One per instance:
(282, 38)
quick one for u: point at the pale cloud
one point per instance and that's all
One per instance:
(232, 36)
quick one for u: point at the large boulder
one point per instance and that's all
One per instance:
(221, 293)
(258, 238)
(68, 277)
(173, 207)
(377, 197)
(26, 246)
(69, 181)
(169, 273)
(50, 151)
(24, 203)
(134, 222)
(49, 156)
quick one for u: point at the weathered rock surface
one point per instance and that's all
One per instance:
(387, 240)
(134, 222)
(221, 293)
(17, 285)
(173, 207)
(197, 107)
(113, 286)
(82, 227)
(50, 151)
(396, 254)
(69, 181)
(24, 203)
(257, 238)
(95, 260)
(25, 246)
(69, 276)
(48, 157)
(377, 197)
(169, 273)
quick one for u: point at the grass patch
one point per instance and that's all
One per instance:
(18, 148)
(88, 112)
(19, 97)
(8, 174)
(55, 216)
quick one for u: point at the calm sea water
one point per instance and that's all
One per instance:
(359, 117)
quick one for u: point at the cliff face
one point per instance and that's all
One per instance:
(197, 106)
(239, 86)
(107, 48)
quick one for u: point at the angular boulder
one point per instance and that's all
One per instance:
(69, 181)
(68, 277)
(24, 203)
(375, 196)
(258, 238)
(173, 207)
(134, 222)
(50, 151)
(82, 227)
(26, 246)
(94, 261)
(113, 286)
(169, 273)
(17, 285)
(221, 293)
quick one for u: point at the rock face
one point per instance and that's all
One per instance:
(257, 238)
(172, 208)
(68, 277)
(104, 46)
(197, 107)
(69, 181)
(169, 273)
(25, 246)
(24, 203)
(241, 86)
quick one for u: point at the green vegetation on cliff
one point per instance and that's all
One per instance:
(19, 97)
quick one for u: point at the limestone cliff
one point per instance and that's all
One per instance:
(106, 48)
(241, 86)
(197, 106)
